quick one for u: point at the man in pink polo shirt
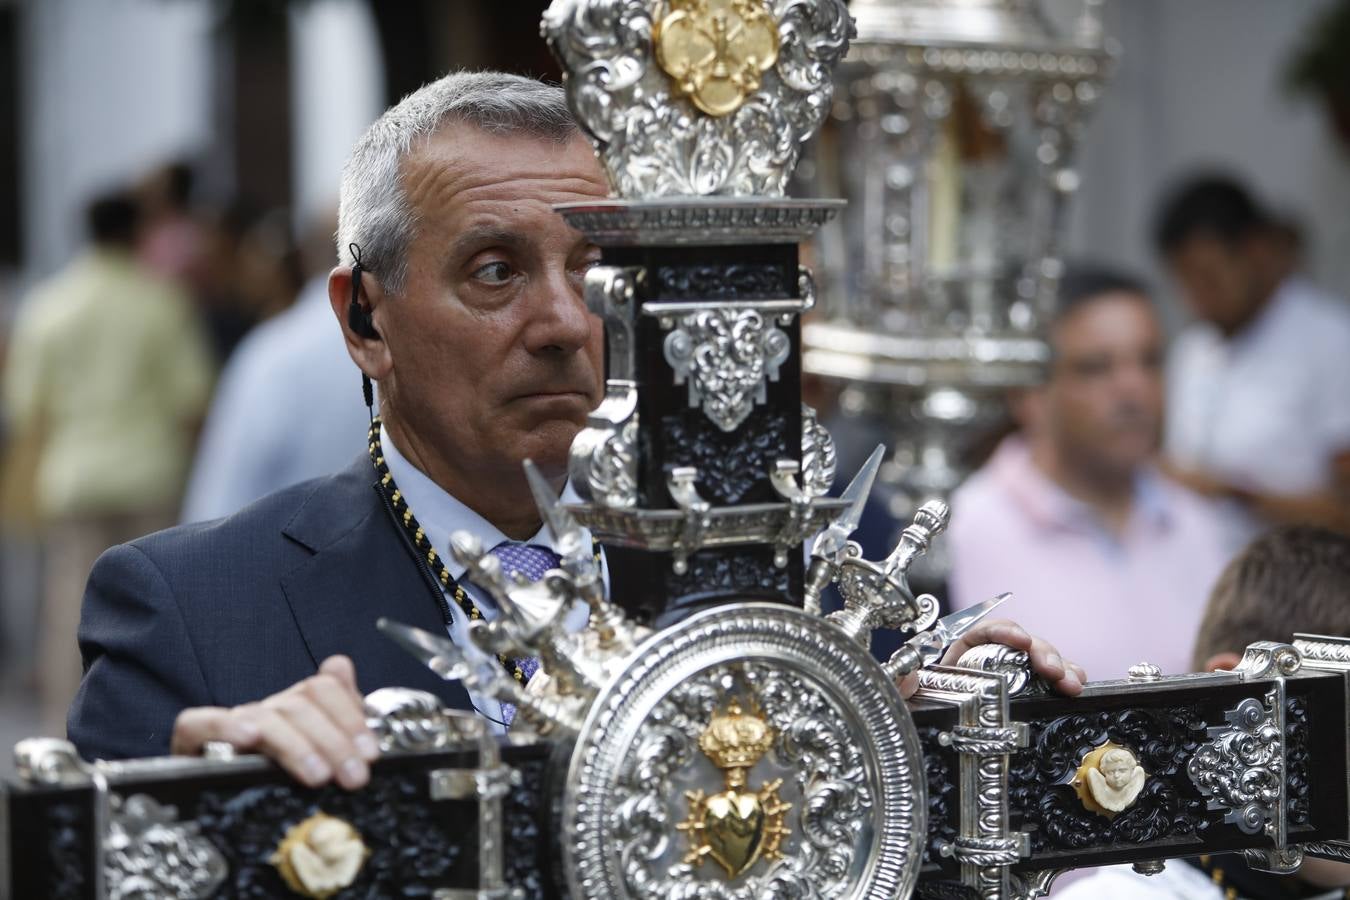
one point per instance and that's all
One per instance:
(1103, 554)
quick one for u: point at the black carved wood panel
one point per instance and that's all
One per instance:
(709, 273)
(416, 844)
(650, 591)
(941, 768)
(1171, 818)
(51, 844)
(733, 466)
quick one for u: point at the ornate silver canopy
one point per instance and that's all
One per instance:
(954, 126)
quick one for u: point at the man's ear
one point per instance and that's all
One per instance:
(1225, 661)
(355, 315)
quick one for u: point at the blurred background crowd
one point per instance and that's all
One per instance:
(168, 176)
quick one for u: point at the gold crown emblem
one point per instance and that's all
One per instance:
(734, 739)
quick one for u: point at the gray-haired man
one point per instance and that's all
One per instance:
(470, 316)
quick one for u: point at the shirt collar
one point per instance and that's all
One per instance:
(1050, 506)
(441, 514)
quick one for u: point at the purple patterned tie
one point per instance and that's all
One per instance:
(532, 561)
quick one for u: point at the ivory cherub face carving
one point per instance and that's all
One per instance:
(1117, 779)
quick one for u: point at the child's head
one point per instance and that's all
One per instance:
(1292, 579)
(1117, 766)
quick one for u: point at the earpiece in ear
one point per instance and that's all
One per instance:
(358, 317)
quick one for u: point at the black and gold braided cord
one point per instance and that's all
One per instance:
(404, 514)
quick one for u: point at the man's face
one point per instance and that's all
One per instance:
(494, 356)
(1219, 281)
(1103, 400)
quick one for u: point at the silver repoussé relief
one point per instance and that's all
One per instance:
(148, 855)
(1241, 768)
(654, 144)
(818, 455)
(726, 356)
(845, 748)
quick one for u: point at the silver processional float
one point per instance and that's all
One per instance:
(710, 734)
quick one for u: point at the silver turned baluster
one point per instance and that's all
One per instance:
(877, 595)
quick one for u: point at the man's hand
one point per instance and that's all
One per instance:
(315, 729)
(1066, 677)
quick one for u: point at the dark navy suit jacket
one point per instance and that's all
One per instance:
(231, 611)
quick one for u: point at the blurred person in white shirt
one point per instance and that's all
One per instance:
(293, 368)
(1259, 385)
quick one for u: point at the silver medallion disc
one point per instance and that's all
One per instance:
(750, 751)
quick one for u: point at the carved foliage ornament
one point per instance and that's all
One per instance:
(1240, 769)
(726, 356)
(151, 854)
(728, 113)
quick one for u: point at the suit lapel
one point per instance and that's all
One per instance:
(361, 569)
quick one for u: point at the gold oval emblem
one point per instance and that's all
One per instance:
(715, 50)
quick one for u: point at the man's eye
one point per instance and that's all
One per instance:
(493, 273)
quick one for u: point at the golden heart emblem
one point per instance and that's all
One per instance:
(733, 826)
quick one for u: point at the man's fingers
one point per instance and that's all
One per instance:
(323, 735)
(341, 668)
(1066, 677)
(1045, 660)
(195, 727)
(292, 750)
(996, 631)
(345, 708)
(999, 631)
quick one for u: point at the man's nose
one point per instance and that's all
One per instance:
(561, 321)
(1135, 382)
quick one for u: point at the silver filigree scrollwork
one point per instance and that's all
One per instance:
(1323, 651)
(1279, 861)
(818, 455)
(726, 356)
(1014, 665)
(602, 462)
(877, 594)
(49, 761)
(149, 855)
(1240, 769)
(850, 771)
(1264, 659)
(1033, 885)
(655, 143)
(1337, 850)
(410, 721)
